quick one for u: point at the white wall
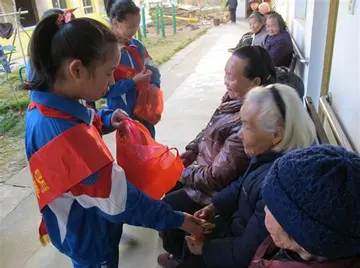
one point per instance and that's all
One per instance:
(345, 72)
(315, 44)
(241, 9)
(310, 35)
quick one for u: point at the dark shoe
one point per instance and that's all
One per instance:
(167, 260)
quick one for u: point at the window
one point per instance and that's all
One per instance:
(59, 4)
(300, 9)
(88, 8)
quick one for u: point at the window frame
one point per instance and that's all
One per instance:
(88, 6)
(59, 4)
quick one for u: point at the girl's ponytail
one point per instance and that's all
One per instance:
(57, 38)
(40, 51)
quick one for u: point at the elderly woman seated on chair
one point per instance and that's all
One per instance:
(274, 121)
(314, 223)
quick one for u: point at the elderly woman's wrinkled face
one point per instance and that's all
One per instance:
(255, 25)
(237, 85)
(278, 234)
(272, 26)
(255, 140)
(283, 240)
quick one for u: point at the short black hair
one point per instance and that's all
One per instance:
(118, 9)
(259, 17)
(50, 45)
(259, 64)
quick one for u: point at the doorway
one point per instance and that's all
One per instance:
(32, 17)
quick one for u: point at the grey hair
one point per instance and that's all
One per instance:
(299, 130)
(257, 15)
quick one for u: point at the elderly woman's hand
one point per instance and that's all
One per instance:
(195, 245)
(188, 157)
(206, 213)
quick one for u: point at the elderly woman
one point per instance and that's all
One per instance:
(216, 157)
(274, 121)
(258, 28)
(258, 32)
(312, 199)
(264, 8)
(278, 43)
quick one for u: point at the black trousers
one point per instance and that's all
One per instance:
(173, 240)
(232, 14)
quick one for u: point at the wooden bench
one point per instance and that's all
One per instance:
(328, 130)
(320, 131)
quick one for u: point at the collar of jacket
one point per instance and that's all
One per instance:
(230, 106)
(268, 248)
(261, 29)
(264, 158)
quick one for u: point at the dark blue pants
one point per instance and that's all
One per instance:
(112, 262)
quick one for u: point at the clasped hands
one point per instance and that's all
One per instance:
(197, 226)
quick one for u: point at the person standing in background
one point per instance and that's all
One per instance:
(232, 4)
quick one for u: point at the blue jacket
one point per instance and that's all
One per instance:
(86, 228)
(241, 207)
(280, 48)
(123, 93)
(28, 71)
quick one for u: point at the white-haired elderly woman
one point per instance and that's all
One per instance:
(274, 122)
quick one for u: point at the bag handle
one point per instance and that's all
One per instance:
(169, 149)
(176, 150)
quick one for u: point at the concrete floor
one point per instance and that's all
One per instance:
(193, 87)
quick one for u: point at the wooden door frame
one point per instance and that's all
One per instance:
(329, 46)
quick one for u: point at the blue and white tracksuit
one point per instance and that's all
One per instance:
(123, 93)
(83, 226)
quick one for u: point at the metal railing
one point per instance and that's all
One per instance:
(320, 131)
(334, 124)
(297, 56)
(298, 52)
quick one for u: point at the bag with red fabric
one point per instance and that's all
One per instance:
(150, 166)
(149, 103)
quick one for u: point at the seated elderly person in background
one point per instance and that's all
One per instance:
(258, 28)
(274, 121)
(278, 43)
(216, 157)
(312, 199)
(264, 8)
(258, 32)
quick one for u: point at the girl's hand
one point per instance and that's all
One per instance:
(195, 226)
(116, 117)
(144, 75)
